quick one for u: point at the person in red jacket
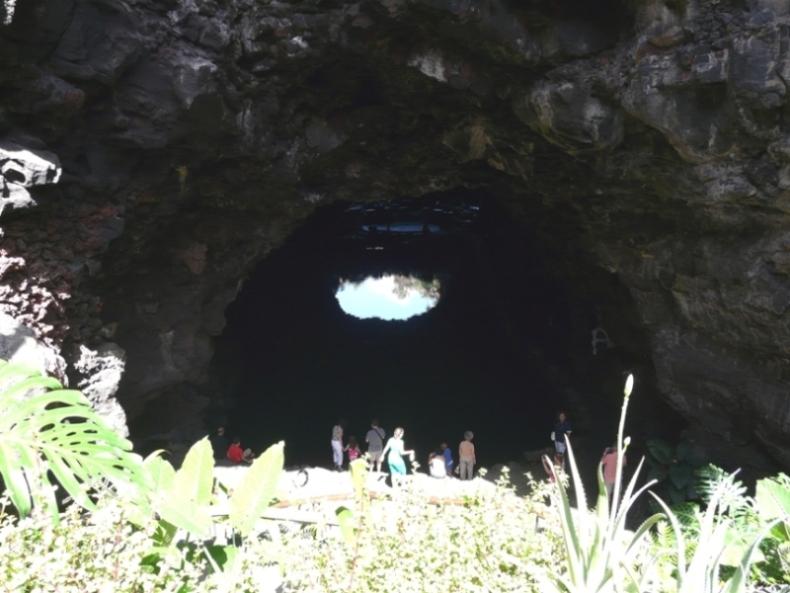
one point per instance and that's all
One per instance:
(238, 455)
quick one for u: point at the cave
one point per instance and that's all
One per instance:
(508, 344)
(184, 186)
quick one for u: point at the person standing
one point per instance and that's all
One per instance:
(561, 428)
(466, 456)
(337, 445)
(219, 443)
(609, 469)
(375, 440)
(394, 452)
(448, 459)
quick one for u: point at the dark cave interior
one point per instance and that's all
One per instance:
(507, 346)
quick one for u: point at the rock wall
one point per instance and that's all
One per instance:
(151, 151)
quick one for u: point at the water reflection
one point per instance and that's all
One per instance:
(390, 297)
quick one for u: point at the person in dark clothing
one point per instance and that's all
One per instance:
(219, 443)
(561, 428)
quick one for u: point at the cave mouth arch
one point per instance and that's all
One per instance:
(506, 347)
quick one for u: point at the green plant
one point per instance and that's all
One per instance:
(404, 543)
(186, 498)
(45, 428)
(701, 571)
(745, 518)
(599, 550)
(183, 498)
(772, 504)
(256, 491)
(601, 555)
(772, 500)
(675, 468)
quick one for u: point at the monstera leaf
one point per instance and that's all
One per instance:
(47, 431)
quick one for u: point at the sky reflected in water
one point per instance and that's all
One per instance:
(391, 297)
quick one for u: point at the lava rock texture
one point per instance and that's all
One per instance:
(152, 151)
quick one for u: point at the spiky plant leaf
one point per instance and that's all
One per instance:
(43, 429)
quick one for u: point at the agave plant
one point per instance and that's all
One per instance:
(602, 556)
(47, 431)
(599, 550)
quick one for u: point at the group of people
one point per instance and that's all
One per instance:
(229, 449)
(393, 450)
(441, 463)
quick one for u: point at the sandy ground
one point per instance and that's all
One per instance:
(296, 488)
(332, 485)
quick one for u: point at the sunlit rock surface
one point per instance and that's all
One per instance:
(195, 136)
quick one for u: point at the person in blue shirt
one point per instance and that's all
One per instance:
(448, 458)
(561, 428)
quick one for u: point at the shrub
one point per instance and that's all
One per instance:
(492, 542)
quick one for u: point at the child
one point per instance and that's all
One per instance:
(448, 459)
(466, 456)
(352, 449)
(436, 467)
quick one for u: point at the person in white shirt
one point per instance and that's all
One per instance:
(337, 445)
(436, 466)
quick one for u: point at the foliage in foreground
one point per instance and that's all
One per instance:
(173, 530)
(602, 556)
(490, 542)
(47, 429)
(487, 543)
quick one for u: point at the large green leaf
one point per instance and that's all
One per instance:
(193, 481)
(182, 498)
(43, 429)
(257, 488)
(195, 519)
(159, 471)
(772, 498)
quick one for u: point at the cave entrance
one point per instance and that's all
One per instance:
(510, 342)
